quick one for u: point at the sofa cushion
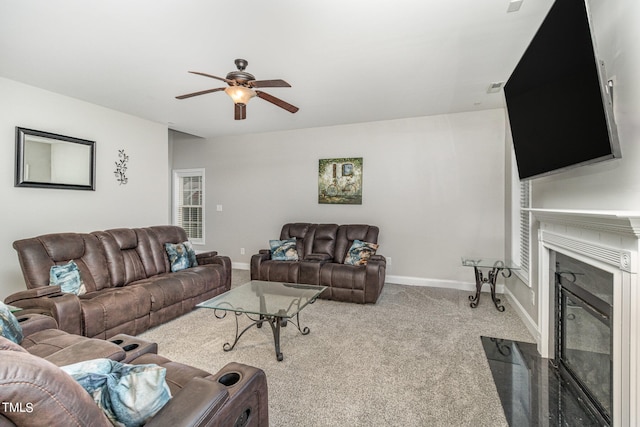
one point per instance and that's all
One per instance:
(181, 255)
(105, 311)
(38, 254)
(303, 233)
(127, 394)
(348, 233)
(50, 396)
(360, 252)
(9, 325)
(67, 276)
(121, 249)
(279, 271)
(283, 250)
(61, 348)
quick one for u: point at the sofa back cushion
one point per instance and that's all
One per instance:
(156, 258)
(138, 253)
(38, 254)
(303, 233)
(47, 395)
(350, 232)
(120, 246)
(324, 239)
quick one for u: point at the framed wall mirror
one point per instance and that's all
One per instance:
(48, 160)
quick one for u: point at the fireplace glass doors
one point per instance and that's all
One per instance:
(584, 309)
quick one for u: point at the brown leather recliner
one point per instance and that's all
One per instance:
(322, 249)
(34, 391)
(127, 275)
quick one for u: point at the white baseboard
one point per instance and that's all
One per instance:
(524, 316)
(439, 283)
(241, 265)
(449, 284)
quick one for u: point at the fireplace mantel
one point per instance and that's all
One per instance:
(609, 240)
(618, 222)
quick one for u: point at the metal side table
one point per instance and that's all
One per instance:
(494, 266)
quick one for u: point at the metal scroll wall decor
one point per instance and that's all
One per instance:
(340, 181)
(121, 167)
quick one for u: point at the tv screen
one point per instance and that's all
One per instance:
(558, 104)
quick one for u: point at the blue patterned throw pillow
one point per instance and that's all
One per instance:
(283, 250)
(127, 394)
(68, 277)
(9, 326)
(181, 255)
(360, 252)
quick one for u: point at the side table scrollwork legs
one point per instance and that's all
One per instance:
(491, 280)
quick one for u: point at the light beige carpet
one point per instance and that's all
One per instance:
(413, 359)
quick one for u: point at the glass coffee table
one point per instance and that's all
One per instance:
(272, 302)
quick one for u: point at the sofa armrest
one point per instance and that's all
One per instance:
(196, 404)
(224, 261)
(64, 308)
(256, 260)
(378, 259)
(42, 291)
(206, 257)
(31, 322)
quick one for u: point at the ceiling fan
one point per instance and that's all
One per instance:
(241, 89)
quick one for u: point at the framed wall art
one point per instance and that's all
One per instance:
(48, 160)
(340, 181)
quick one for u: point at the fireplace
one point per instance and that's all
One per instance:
(584, 345)
(589, 305)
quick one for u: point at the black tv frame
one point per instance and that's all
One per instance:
(606, 98)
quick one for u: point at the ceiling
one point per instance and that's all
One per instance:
(347, 61)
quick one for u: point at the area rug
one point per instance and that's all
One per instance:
(413, 359)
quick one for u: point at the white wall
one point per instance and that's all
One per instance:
(614, 184)
(28, 212)
(434, 185)
(611, 185)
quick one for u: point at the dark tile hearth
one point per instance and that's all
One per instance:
(531, 390)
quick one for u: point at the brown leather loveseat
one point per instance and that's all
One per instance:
(321, 252)
(34, 391)
(127, 275)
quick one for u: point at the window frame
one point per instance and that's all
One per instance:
(521, 224)
(178, 175)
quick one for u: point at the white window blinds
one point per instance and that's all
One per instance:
(525, 227)
(189, 202)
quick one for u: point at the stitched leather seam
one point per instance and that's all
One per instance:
(50, 394)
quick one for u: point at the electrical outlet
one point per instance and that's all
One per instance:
(241, 251)
(389, 262)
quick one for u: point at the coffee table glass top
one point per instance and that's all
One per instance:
(274, 299)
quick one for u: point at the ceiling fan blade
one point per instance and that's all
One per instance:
(240, 111)
(202, 92)
(269, 83)
(213, 77)
(277, 101)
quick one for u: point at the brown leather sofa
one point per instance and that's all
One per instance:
(34, 391)
(322, 249)
(127, 275)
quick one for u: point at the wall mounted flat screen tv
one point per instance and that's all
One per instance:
(558, 101)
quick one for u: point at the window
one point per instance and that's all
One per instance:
(525, 226)
(520, 223)
(188, 202)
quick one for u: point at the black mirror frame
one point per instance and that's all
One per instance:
(19, 177)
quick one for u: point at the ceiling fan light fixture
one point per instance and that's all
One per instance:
(240, 94)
